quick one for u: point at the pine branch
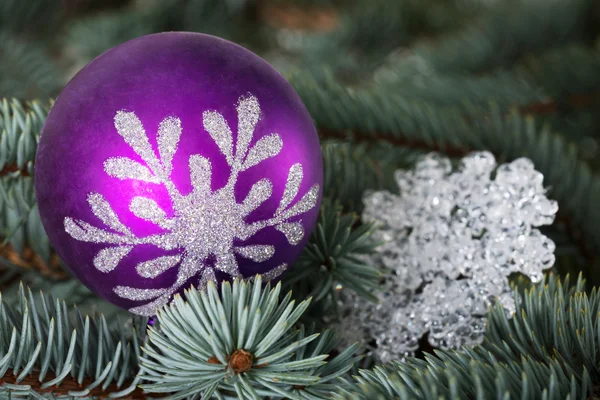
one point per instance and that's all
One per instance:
(402, 141)
(31, 17)
(24, 240)
(561, 79)
(9, 170)
(20, 127)
(27, 69)
(503, 34)
(367, 166)
(89, 37)
(333, 259)
(493, 39)
(243, 342)
(45, 348)
(547, 106)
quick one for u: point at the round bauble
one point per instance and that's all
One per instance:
(174, 159)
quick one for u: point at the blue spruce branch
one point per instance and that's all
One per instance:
(242, 342)
(45, 349)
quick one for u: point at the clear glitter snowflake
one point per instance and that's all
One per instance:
(449, 241)
(205, 223)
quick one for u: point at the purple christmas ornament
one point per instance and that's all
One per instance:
(174, 159)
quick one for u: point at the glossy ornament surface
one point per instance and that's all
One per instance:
(174, 159)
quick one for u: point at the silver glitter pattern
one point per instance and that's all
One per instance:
(104, 211)
(131, 129)
(306, 203)
(205, 223)
(107, 259)
(147, 209)
(266, 147)
(293, 231)
(257, 253)
(169, 132)
(207, 275)
(450, 240)
(201, 172)
(215, 124)
(259, 192)
(155, 267)
(130, 293)
(83, 231)
(274, 273)
(126, 168)
(291, 187)
(248, 111)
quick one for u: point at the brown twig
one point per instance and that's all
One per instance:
(551, 106)
(30, 259)
(317, 19)
(9, 169)
(69, 384)
(416, 144)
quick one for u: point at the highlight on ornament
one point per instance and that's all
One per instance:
(450, 240)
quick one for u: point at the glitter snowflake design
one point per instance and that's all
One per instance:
(205, 224)
(450, 241)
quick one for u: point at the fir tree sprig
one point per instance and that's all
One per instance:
(241, 342)
(499, 36)
(29, 72)
(25, 242)
(368, 166)
(47, 349)
(20, 127)
(332, 259)
(17, 16)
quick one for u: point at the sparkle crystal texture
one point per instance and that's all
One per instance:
(450, 240)
(172, 160)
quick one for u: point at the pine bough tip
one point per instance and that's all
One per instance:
(242, 340)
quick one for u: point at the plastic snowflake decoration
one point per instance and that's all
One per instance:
(205, 223)
(450, 242)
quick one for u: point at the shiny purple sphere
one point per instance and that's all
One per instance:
(175, 159)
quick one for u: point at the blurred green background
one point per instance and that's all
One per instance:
(540, 54)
